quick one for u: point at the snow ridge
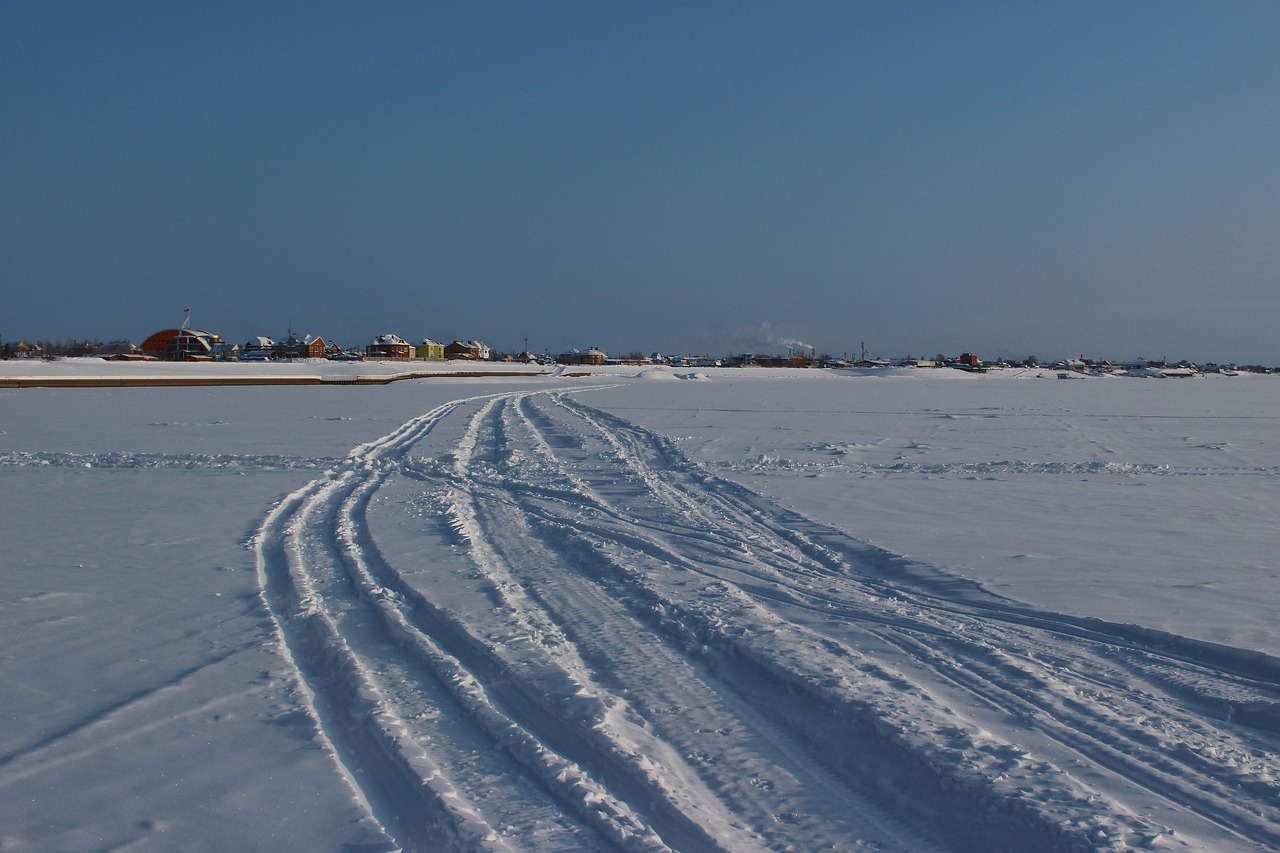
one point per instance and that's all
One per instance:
(184, 461)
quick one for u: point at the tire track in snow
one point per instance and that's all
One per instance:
(718, 619)
(1065, 668)
(409, 728)
(334, 683)
(582, 716)
(743, 758)
(598, 644)
(503, 475)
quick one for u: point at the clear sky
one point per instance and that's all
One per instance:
(1008, 178)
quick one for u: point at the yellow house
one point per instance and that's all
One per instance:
(428, 349)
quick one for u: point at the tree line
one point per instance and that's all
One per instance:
(60, 348)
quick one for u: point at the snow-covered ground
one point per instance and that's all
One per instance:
(646, 609)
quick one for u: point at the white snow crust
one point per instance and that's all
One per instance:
(645, 609)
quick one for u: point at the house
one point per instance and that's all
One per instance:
(475, 350)
(123, 351)
(225, 351)
(748, 359)
(306, 347)
(120, 348)
(592, 356)
(429, 349)
(259, 348)
(968, 362)
(388, 346)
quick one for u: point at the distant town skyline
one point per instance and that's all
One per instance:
(1005, 178)
(774, 352)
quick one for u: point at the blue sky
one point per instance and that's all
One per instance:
(1066, 178)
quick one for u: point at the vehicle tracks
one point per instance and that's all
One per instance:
(523, 622)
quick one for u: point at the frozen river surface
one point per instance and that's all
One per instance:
(648, 609)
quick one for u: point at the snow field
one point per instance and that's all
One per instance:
(695, 615)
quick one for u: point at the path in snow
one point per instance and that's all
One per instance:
(526, 623)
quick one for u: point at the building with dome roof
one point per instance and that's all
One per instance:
(184, 345)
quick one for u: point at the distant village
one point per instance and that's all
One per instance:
(197, 345)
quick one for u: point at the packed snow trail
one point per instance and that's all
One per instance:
(524, 623)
